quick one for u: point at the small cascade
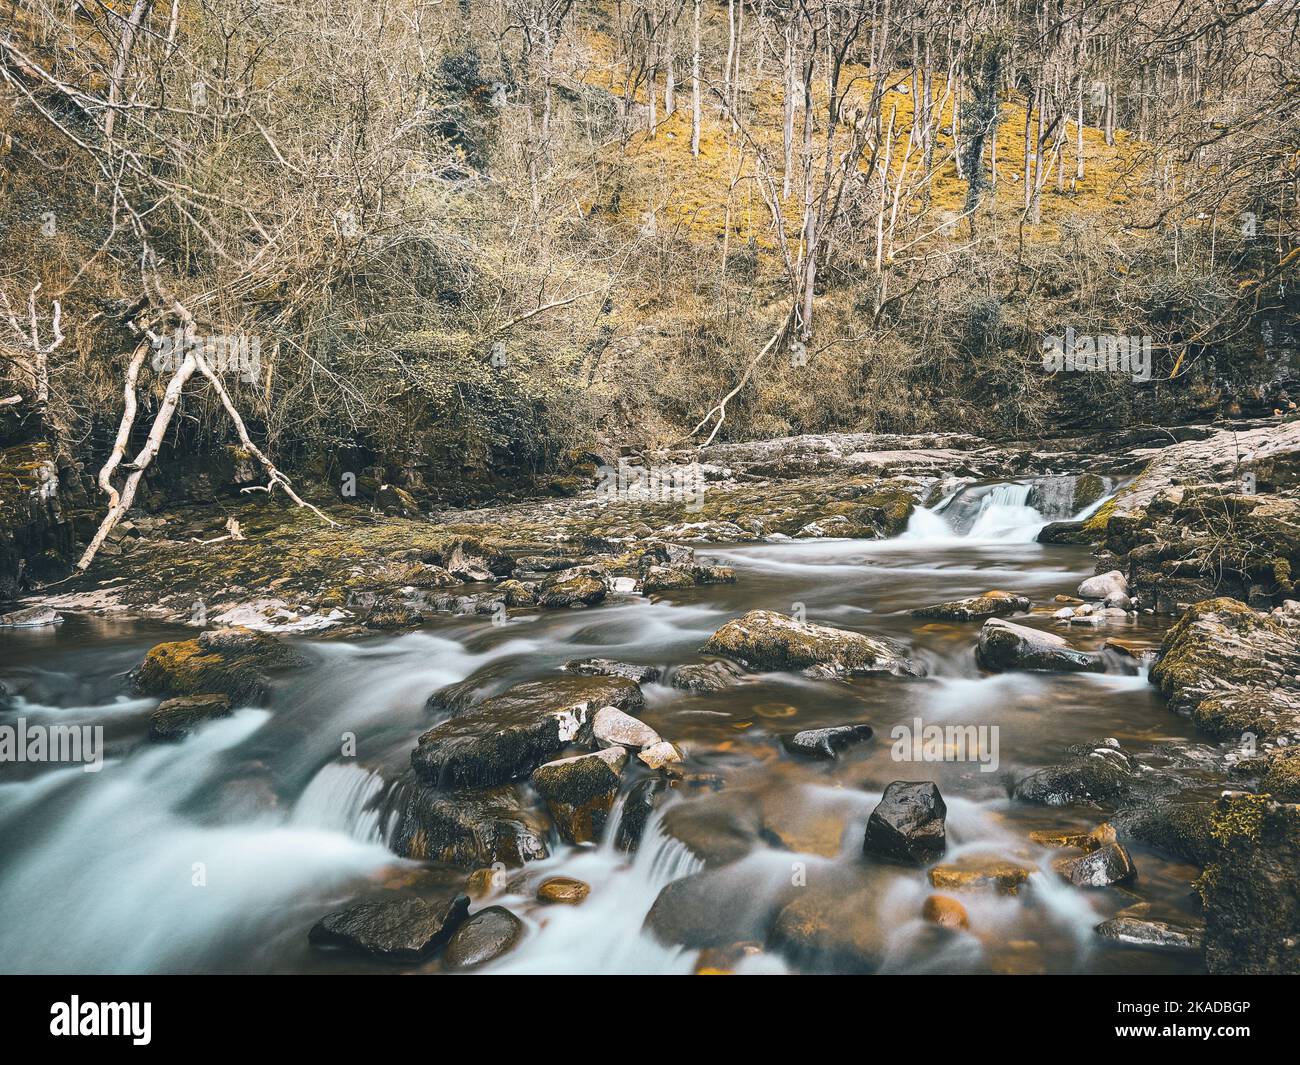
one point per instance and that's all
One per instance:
(343, 798)
(1009, 511)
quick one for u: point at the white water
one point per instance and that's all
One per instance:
(995, 514)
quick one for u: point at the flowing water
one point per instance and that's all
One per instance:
(217, 854)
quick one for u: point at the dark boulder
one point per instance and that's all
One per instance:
(1139, 932)
(827, 743)
(486, 936)
(908, 826)
(607, 667)
(976, 607)
(643, 798)
(1064, 532)
(570, 591)
(480, 827)
(403, 930)
(1108, 865)
(1003, 646)
(580, 792)
(766, 640)
(233, 661)
(177, 718)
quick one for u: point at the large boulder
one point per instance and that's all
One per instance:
(509, 735)
(177, 718)
(766, 640)
(236, 662)
(976, 607)
(1094, 774)
(1250, 891)
(1104, 585)
(908, 826)
(580, 792)
(486, 936)
(1004, 646)
(403, 930)
(472, 828)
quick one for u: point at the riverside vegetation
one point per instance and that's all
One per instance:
(391, 675)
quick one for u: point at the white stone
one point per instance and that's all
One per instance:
(32, 617)
(1103, 585)
(613, 728)
(661, 754)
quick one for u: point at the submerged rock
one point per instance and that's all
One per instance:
(827, 743)
(483, 938)
(717, 907)
(976, 607)
(1003, 645)
(480, 827)
(1103, 867)
(177, 718)
(945, 912)
(580, 792)
(401, 930)
(908, 826)
(509, 735)
(995, 875)
(235, 662)
(828, 929)
(766, 640)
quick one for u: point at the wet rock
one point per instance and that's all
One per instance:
(1250, 891)
(1103, 867)
(707, 676)
(607, 667)
(1137, 932)
(516, 593)
(830, 930)
(1086, 841)
(1087, 779)
(669, 578)
(642, 800)
(1103, 585)
(766, 640)
(236, 662)
(995, 875)
(32, 617)
(1064, 532)
(542, 563)
(908, 826)
(509, 735)
(827, 743)
(660, 754)
(177, 718)
(1180, 829)
(460, 563)
(1004, 646)
(468, 827)
(401, 930)
(724, 961)
(564, 890)
(570, 592)
(483, 883)
(580, 792)
(663, 553)
(454, 699)
(945, 912)
(489, 934)
(976, 607)
(613, 728)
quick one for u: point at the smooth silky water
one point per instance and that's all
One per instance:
(218, 854)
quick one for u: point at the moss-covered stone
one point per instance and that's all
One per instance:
(234, 662)
(763, 639)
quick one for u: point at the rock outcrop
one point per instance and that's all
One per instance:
(766, 640)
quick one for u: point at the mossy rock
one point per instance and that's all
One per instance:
(234, 662)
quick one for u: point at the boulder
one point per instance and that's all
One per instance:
(473, 828)
(660, 754)
(607, 667)
(766, 640)
(509, 735)
(908, 826)
(1087, 779)
(613, 728)
(1063, 532)
(1103, 867)
(827, 743)
(176, 718)
(483, 938)
(32, 617)
(403, 930)
(976, 607)
(1249, 889)
(831, 930)
(583, 590)
(580, 792)
(236, 662)
(707, 676)
(564, 890)
(1103, 585)
(715, 908)
(460, 563)
(1003, 646)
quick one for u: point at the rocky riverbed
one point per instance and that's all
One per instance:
(862, 704)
